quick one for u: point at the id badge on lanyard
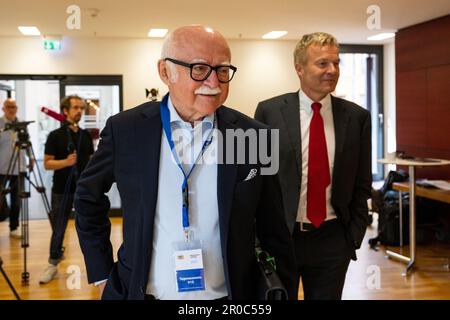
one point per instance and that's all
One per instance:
(188, 263)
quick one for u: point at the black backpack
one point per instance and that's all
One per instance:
(389, 220)
(385, 202)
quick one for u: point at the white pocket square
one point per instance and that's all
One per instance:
(251, 174)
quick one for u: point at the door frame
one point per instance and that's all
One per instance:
(66, 80)
(379, 51)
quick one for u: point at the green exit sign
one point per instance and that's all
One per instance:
(52, 44)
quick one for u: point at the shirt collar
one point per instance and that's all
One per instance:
(175, 118)
(306, 102)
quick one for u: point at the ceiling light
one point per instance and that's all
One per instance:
(381, 36)
(274, 34)
(29, 31)
(157, 33)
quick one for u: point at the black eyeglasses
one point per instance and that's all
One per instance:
(201, 71)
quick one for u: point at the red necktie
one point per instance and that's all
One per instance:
(318, 169)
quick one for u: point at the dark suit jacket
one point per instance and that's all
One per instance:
(352, 173)
(129, 154)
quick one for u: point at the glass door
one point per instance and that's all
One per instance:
(101, 103)
(361, 82)
(103, 96)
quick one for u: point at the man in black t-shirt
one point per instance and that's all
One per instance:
(67, 152)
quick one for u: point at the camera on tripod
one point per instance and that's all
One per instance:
(20, 128)
(21, 147)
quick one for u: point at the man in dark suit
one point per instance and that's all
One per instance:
(189, 226)
(325, 167)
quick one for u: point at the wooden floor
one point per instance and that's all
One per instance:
(429, 281)
(37, 256)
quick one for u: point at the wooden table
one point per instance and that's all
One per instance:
(412, 164)
(424, 192)
(430, 193)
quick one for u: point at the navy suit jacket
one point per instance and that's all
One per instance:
(129, 154)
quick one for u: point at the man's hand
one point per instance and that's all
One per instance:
(101, 287)
(71, 159)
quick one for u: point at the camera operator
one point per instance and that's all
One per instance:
(8, 139)
(67, 152)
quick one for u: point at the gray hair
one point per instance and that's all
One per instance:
(320, 38)
(167, 51)
(167, 48)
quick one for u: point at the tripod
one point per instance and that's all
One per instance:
(23, 144)
(8, 281)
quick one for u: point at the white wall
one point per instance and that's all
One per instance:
(134, 59)
(265, 68)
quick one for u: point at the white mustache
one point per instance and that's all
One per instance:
(208, 91)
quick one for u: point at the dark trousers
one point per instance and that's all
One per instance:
(60, 212)
(14, 199)
(322, 256)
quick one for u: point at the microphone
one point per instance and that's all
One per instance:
(55, 115)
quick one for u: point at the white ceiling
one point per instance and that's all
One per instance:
(246, 19)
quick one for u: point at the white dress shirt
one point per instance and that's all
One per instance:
(306, 114)
(203, 212)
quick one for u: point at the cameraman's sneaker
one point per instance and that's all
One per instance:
(16, 234)
(48, 274)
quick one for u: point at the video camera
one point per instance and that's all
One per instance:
(20, 128)
(16, 126)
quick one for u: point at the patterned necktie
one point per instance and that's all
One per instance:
(318, 169)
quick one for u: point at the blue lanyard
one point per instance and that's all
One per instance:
(165, 119)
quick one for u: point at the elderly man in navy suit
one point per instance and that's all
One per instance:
(189, 226)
